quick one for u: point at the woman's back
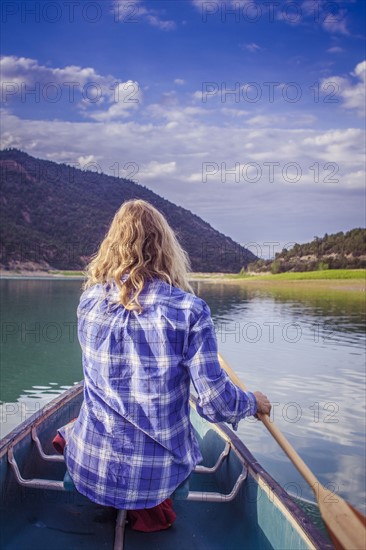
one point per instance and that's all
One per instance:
(136, 394)
(134, 361)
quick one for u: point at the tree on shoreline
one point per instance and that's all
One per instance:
(337, 251)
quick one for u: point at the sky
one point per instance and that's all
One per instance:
(249, 113)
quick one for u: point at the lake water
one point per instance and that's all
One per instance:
(304, 349)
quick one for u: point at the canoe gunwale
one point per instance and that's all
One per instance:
(25, 428)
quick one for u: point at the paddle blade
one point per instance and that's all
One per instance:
(345, 525)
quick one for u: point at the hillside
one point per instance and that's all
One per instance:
(54, 216)
(336, 251)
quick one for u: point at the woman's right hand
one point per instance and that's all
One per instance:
(263, 404)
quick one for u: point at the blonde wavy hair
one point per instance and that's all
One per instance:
(140, 245)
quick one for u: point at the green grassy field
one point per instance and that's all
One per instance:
(68, 273)
(334, 274)
(298, 276)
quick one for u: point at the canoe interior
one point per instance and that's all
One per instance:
(34, 519)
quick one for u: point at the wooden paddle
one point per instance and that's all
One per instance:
(345, 525)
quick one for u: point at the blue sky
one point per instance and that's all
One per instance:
(249, 113)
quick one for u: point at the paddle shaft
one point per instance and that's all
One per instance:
(345, 525)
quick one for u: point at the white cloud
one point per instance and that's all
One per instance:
(155, 169)
(252, 47)
(335, 49)
(16, 70)
(27, 70)
(356, 179)
(199, 3)
(179, 81)
(341, 146)
(329, 15)
(197, 96)
(221, 4)
(352, 93)
(336, 23)
(360, 70)
(136, 10)
(163, 25)
(127, 96)
(169, 98)
(334, 136)
(176, 142)
(175, 113)
(171, 125)
(234, 112)
(82, 87)
(288, 120)
(87, 159)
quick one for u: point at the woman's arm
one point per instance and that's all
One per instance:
(219, 400)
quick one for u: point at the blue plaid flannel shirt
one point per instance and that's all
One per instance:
(132, 443)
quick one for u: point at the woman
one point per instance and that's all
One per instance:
(144, 336)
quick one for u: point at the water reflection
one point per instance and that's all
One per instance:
(306, 350)
(39, 342)
(29, 402)
(328, 314)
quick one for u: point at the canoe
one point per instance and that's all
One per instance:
(231, 503)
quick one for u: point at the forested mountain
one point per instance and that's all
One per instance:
(337, 251)
(54, 216)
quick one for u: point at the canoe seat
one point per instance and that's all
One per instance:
(181, 492)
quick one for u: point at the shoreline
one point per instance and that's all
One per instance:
(345, 285)
(4, 274)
